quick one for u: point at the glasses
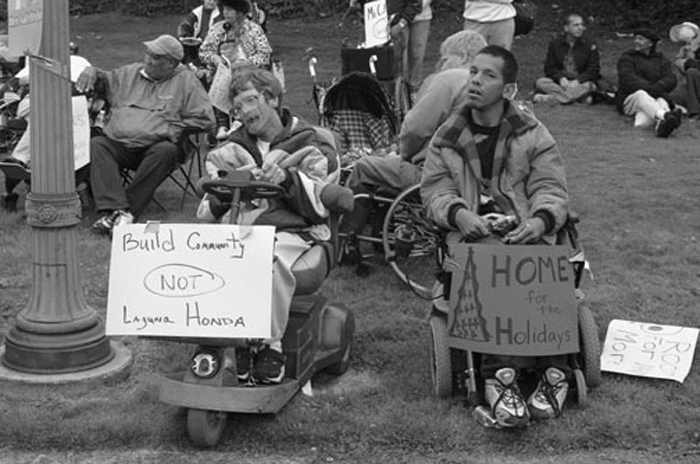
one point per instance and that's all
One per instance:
(251, 102)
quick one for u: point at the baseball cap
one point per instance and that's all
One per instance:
(166, 45)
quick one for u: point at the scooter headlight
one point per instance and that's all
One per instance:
(205, 364)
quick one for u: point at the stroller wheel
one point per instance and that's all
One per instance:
(581, 388)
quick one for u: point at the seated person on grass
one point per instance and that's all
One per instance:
(152, 104)
(572, 66)
(283, 149)
(687, 68)
(491, 156)
(645, 80)
(440, 94)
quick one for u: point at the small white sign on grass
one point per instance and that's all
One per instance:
(649, 350)
(196, 280)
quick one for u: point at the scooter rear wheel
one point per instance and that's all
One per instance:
(205, 427)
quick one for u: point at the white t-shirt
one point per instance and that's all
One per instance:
(488, 11)
(426, 14)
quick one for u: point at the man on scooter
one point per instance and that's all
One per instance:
(493, 156)
(282, 149)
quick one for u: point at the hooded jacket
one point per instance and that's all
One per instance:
(528, 171)
(145, 111)
(310, 164)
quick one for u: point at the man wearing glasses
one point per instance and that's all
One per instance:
(282, 149)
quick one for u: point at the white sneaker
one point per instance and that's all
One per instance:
(222, 133)
(122, 218)
(507, 403)
(548, 398)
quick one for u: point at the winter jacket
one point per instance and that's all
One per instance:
(198, 22)
(528, 171)
(652, 73)
(586, 59)
(144, 111)
(439, 96)
(310, 164)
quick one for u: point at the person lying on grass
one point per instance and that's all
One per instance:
(283, 149)
(492, 156)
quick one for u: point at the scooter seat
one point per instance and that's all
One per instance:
(311, 268)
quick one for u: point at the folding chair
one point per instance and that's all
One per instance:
(191, 141)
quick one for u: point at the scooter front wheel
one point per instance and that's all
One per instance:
(205, 427)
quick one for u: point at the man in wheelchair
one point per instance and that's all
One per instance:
(492, 156)
(441, 94)
(282, 149)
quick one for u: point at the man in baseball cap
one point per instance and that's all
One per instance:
(153, 105)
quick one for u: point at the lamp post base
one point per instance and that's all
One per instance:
(116, 369)
(46, 353)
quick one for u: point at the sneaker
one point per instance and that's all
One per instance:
(222, 133)
(122, 218)
(269, 366)
(244, 360)
(548, 398)
(9, 201)
(108, 222)
(104, 224)
(506, 401)
(544, 98)
(669, 123)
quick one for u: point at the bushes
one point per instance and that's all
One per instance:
(619, 14)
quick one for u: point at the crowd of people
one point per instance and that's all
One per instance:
(472, 145)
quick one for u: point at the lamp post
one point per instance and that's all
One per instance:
(57, 332)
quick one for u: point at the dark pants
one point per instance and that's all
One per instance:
(151, 166)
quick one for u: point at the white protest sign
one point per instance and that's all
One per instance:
(513, 300)
(198, 280)
(376, 20)
(649, 350)
(25, 20)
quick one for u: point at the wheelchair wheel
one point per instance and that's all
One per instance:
(440, 363)
(410, 242)
(581, 388)
(590, 346)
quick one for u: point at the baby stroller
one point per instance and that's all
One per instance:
(359, 109)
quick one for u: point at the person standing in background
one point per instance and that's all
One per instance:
(493, 19)
(418, 33)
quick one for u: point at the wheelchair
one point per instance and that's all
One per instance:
(318, 337)
(456, 371)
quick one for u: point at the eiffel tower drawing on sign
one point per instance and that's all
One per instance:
(468, 322)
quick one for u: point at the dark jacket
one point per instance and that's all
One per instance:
(652, 73)
(403, 9)
(586, 59)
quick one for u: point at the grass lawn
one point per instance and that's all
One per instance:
(637, 197)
